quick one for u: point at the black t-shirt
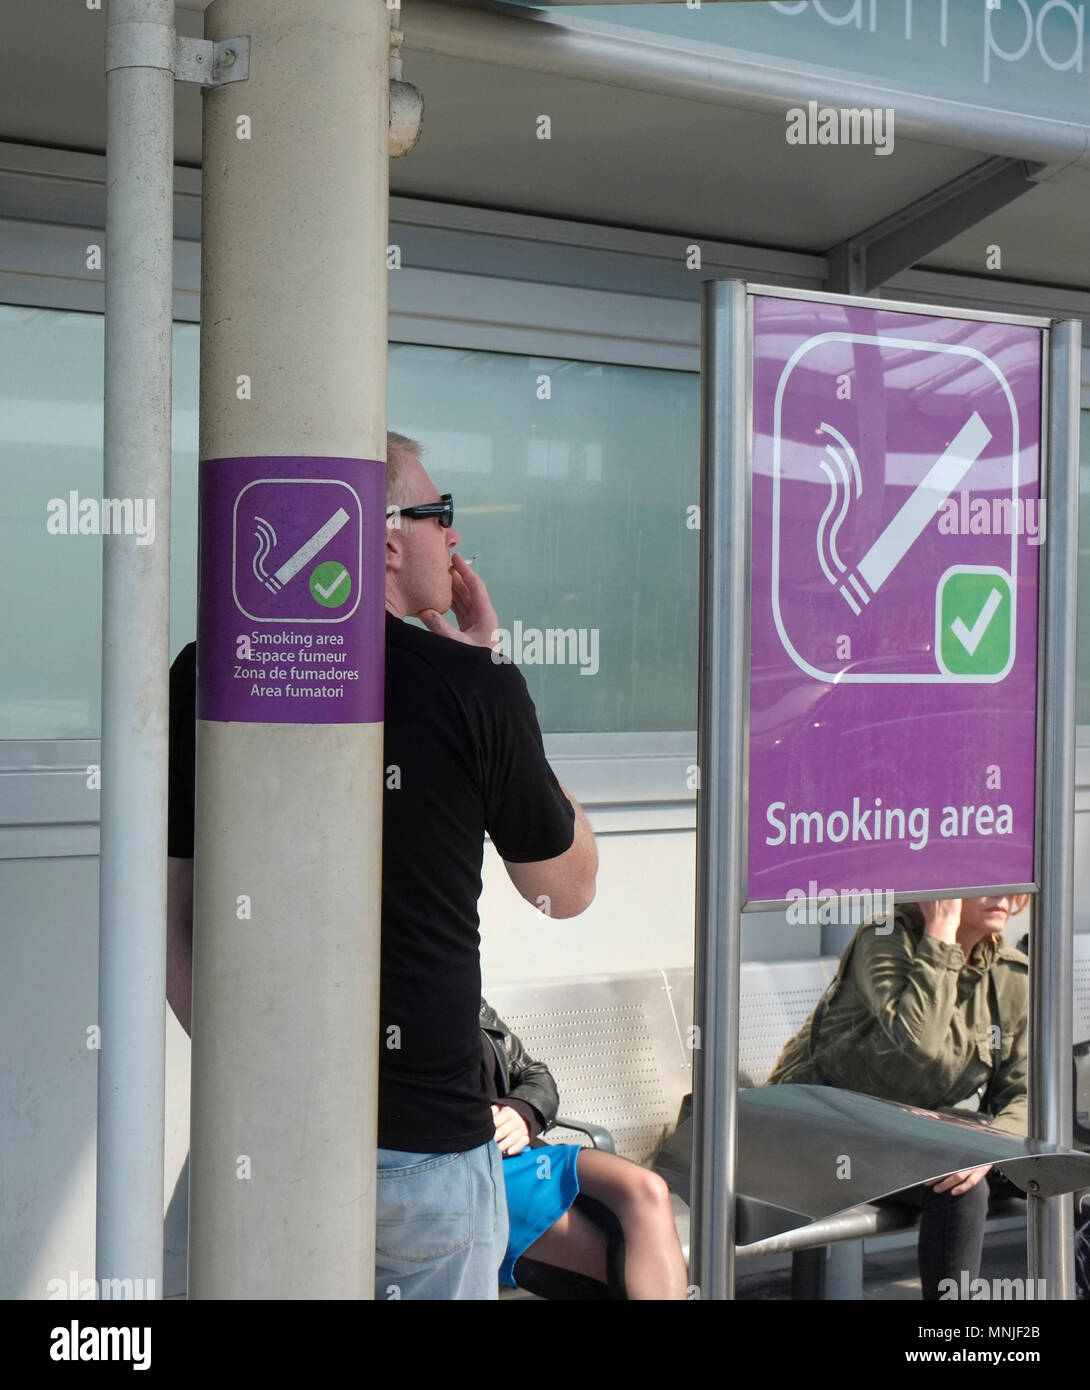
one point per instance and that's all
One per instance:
(463, 755)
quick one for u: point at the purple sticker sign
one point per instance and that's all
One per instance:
(897, 532)
(291, 614)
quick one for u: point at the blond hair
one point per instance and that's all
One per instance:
(398, 448)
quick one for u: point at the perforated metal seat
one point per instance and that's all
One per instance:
(1081, 1021)
(620, 1046)
(615, 1047)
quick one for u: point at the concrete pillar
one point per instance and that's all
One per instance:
(293, 365)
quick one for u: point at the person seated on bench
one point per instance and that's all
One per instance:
(569, 1208)
(929, 1008)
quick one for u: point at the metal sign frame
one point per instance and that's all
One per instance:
(932, 311)
(723, 758)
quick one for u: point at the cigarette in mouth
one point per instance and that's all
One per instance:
(469, 559)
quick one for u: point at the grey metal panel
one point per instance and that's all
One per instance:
(47, 809)
(452, 310)
(49, 841)
(981, 292)
(69, 187)
(46, 265)
(628, 783)
(48, 1000)
(620, 768)
(47, 796)
(482, 241)
(890, 1147)
(644, 818)
(947, 311)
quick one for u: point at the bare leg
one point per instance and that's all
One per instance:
(573, 1242)
(654, 1267)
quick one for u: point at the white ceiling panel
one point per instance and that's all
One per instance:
(616, 156)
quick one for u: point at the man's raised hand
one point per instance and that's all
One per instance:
(477, 621)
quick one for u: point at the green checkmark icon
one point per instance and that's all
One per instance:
(330, 584)
(975, 629)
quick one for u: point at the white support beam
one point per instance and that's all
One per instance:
(592, 51)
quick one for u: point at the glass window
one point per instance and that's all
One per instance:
(575, 484)
(51, 453)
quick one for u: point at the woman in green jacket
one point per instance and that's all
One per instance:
(929, 1008)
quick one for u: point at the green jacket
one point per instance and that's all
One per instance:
(912, 1021)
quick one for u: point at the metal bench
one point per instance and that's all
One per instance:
(620, 1049)
(620, 1046)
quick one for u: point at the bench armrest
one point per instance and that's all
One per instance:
(599, 1136)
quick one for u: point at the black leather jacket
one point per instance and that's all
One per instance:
(523, 1084)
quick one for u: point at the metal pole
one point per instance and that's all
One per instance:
(135, 653)
(1051, 1244)
(285, 999)
(720, 825)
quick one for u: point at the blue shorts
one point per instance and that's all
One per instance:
(541, 1185)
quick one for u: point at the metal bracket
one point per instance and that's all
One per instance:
(871, 257)
(212, 64)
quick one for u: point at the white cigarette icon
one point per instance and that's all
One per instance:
(307, 551)
(912, 517)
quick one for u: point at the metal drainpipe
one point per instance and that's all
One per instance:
(135, 641)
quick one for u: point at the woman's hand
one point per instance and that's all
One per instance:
(942, 918)
(477, 621)
(960, 1182)
(512, 1131)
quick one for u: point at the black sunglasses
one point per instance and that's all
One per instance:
(443, 510)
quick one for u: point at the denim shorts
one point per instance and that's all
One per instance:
(441, 1228)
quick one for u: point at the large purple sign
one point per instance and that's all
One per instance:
(897, 532)
(291, 613)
